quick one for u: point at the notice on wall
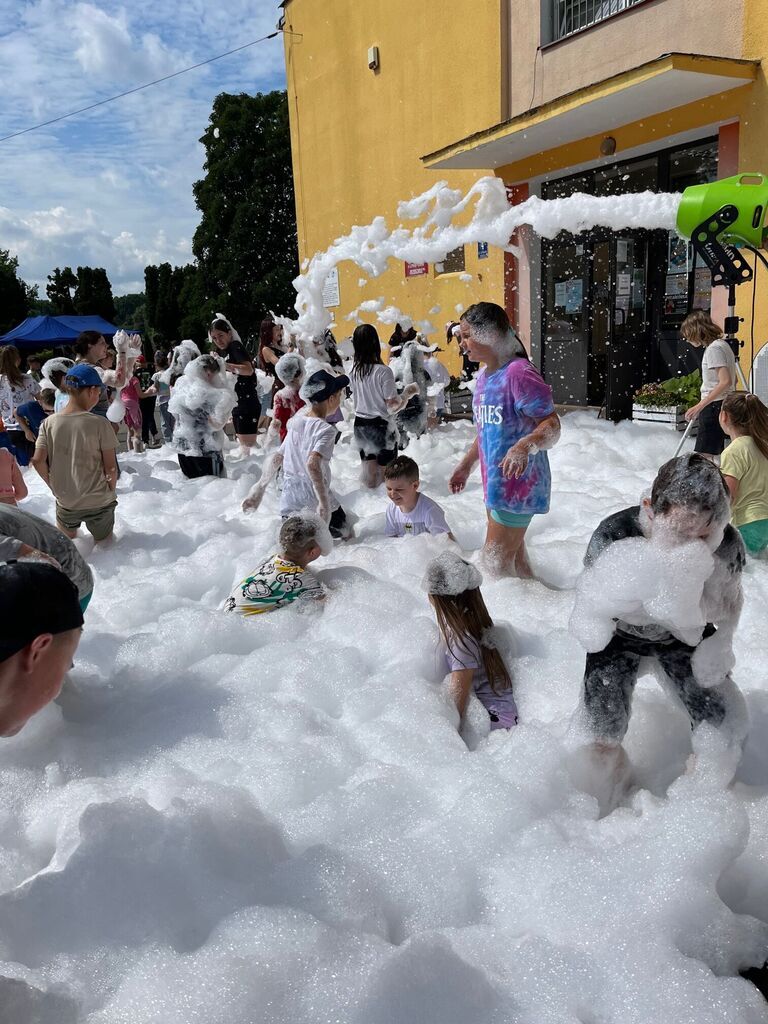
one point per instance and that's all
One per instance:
(622, 250)
(482, 250)
(331, 295)
(416, 269)
(676, 295)
(560, 293)
(623, 284)
(574, 294)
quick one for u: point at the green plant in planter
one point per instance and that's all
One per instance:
(669, 394)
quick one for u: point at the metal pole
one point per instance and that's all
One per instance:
(684, 438)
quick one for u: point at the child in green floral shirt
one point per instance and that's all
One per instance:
(284, 578)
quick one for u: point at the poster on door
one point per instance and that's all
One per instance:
(574, 294)
(676, 295)
(678, 255)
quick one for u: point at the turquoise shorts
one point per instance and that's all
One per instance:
(755, 536)
(85, 601)
(513, 519)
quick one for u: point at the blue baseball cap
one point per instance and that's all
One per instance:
(83, 375)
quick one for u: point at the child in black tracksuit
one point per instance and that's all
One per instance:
(693, 646)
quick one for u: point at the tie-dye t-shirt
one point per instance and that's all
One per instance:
(508, 405)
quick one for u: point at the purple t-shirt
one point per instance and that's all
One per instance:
(508, 405)
(465, 653)
(426, 517)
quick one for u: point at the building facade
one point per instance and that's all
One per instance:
(554, 97)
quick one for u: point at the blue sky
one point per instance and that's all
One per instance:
(113, 187)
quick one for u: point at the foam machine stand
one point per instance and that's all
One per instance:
(720, 219)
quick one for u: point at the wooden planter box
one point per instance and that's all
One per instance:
(673, 416)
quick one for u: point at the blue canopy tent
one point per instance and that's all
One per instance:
(47, 331)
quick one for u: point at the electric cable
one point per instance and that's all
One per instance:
(138, 88)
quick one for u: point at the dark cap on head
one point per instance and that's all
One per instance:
(34, 599)
(321, 385)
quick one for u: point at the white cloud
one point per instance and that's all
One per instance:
(113, 187)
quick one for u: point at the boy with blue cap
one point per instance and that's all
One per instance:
(75, 456)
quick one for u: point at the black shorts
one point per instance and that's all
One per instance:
(710, 439)
(376, 439)
(247, 412)
(194, 466)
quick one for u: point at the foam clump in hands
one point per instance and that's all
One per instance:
(642, 582)
(449, 575)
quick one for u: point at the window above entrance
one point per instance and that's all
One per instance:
(567, 17)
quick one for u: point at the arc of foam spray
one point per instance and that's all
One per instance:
(493, 220)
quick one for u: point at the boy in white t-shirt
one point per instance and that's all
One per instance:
(305, 456)
(410, 512)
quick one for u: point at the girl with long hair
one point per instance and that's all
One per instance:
(744, 465)
(471, 641)
(376, 404)
(16, 388)
(516, 422)
(718, 379)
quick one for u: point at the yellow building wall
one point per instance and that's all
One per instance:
(358, 135)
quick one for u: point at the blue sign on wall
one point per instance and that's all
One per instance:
(482, 250)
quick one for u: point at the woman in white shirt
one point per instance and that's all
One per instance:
(718, 379)
(376, 404)
(15, 389)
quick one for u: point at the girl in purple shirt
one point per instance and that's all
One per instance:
(516, 421)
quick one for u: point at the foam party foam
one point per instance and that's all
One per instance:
(449, 219)
(224, 821)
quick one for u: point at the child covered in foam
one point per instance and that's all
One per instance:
(410, 512)
(290, 369)
(284, 578)
(663, 581)
(473, 647)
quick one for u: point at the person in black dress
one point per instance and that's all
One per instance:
(245, 415)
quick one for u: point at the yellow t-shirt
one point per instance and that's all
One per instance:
(74, 443)
(743, 461)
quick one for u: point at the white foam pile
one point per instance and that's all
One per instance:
(447, 219)
(275, 820)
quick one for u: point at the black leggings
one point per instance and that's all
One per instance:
(611, 674)
(147, 406)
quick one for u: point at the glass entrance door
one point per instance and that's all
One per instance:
(565, 319)
(628, 345)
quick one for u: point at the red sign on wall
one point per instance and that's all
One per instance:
(416, 269)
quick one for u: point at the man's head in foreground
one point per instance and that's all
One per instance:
(40, 626)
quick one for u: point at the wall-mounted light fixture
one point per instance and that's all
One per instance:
(373, 58)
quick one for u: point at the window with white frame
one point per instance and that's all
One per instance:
(563, 18)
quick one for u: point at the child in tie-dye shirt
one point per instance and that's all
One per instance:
(515, 421)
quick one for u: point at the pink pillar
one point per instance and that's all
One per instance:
(517, 277)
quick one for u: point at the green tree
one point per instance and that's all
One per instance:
(14, 299)
(93, 294)
(60, 289)
(195, 312)
(130, 311)
(246, 243)
(151, 284)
